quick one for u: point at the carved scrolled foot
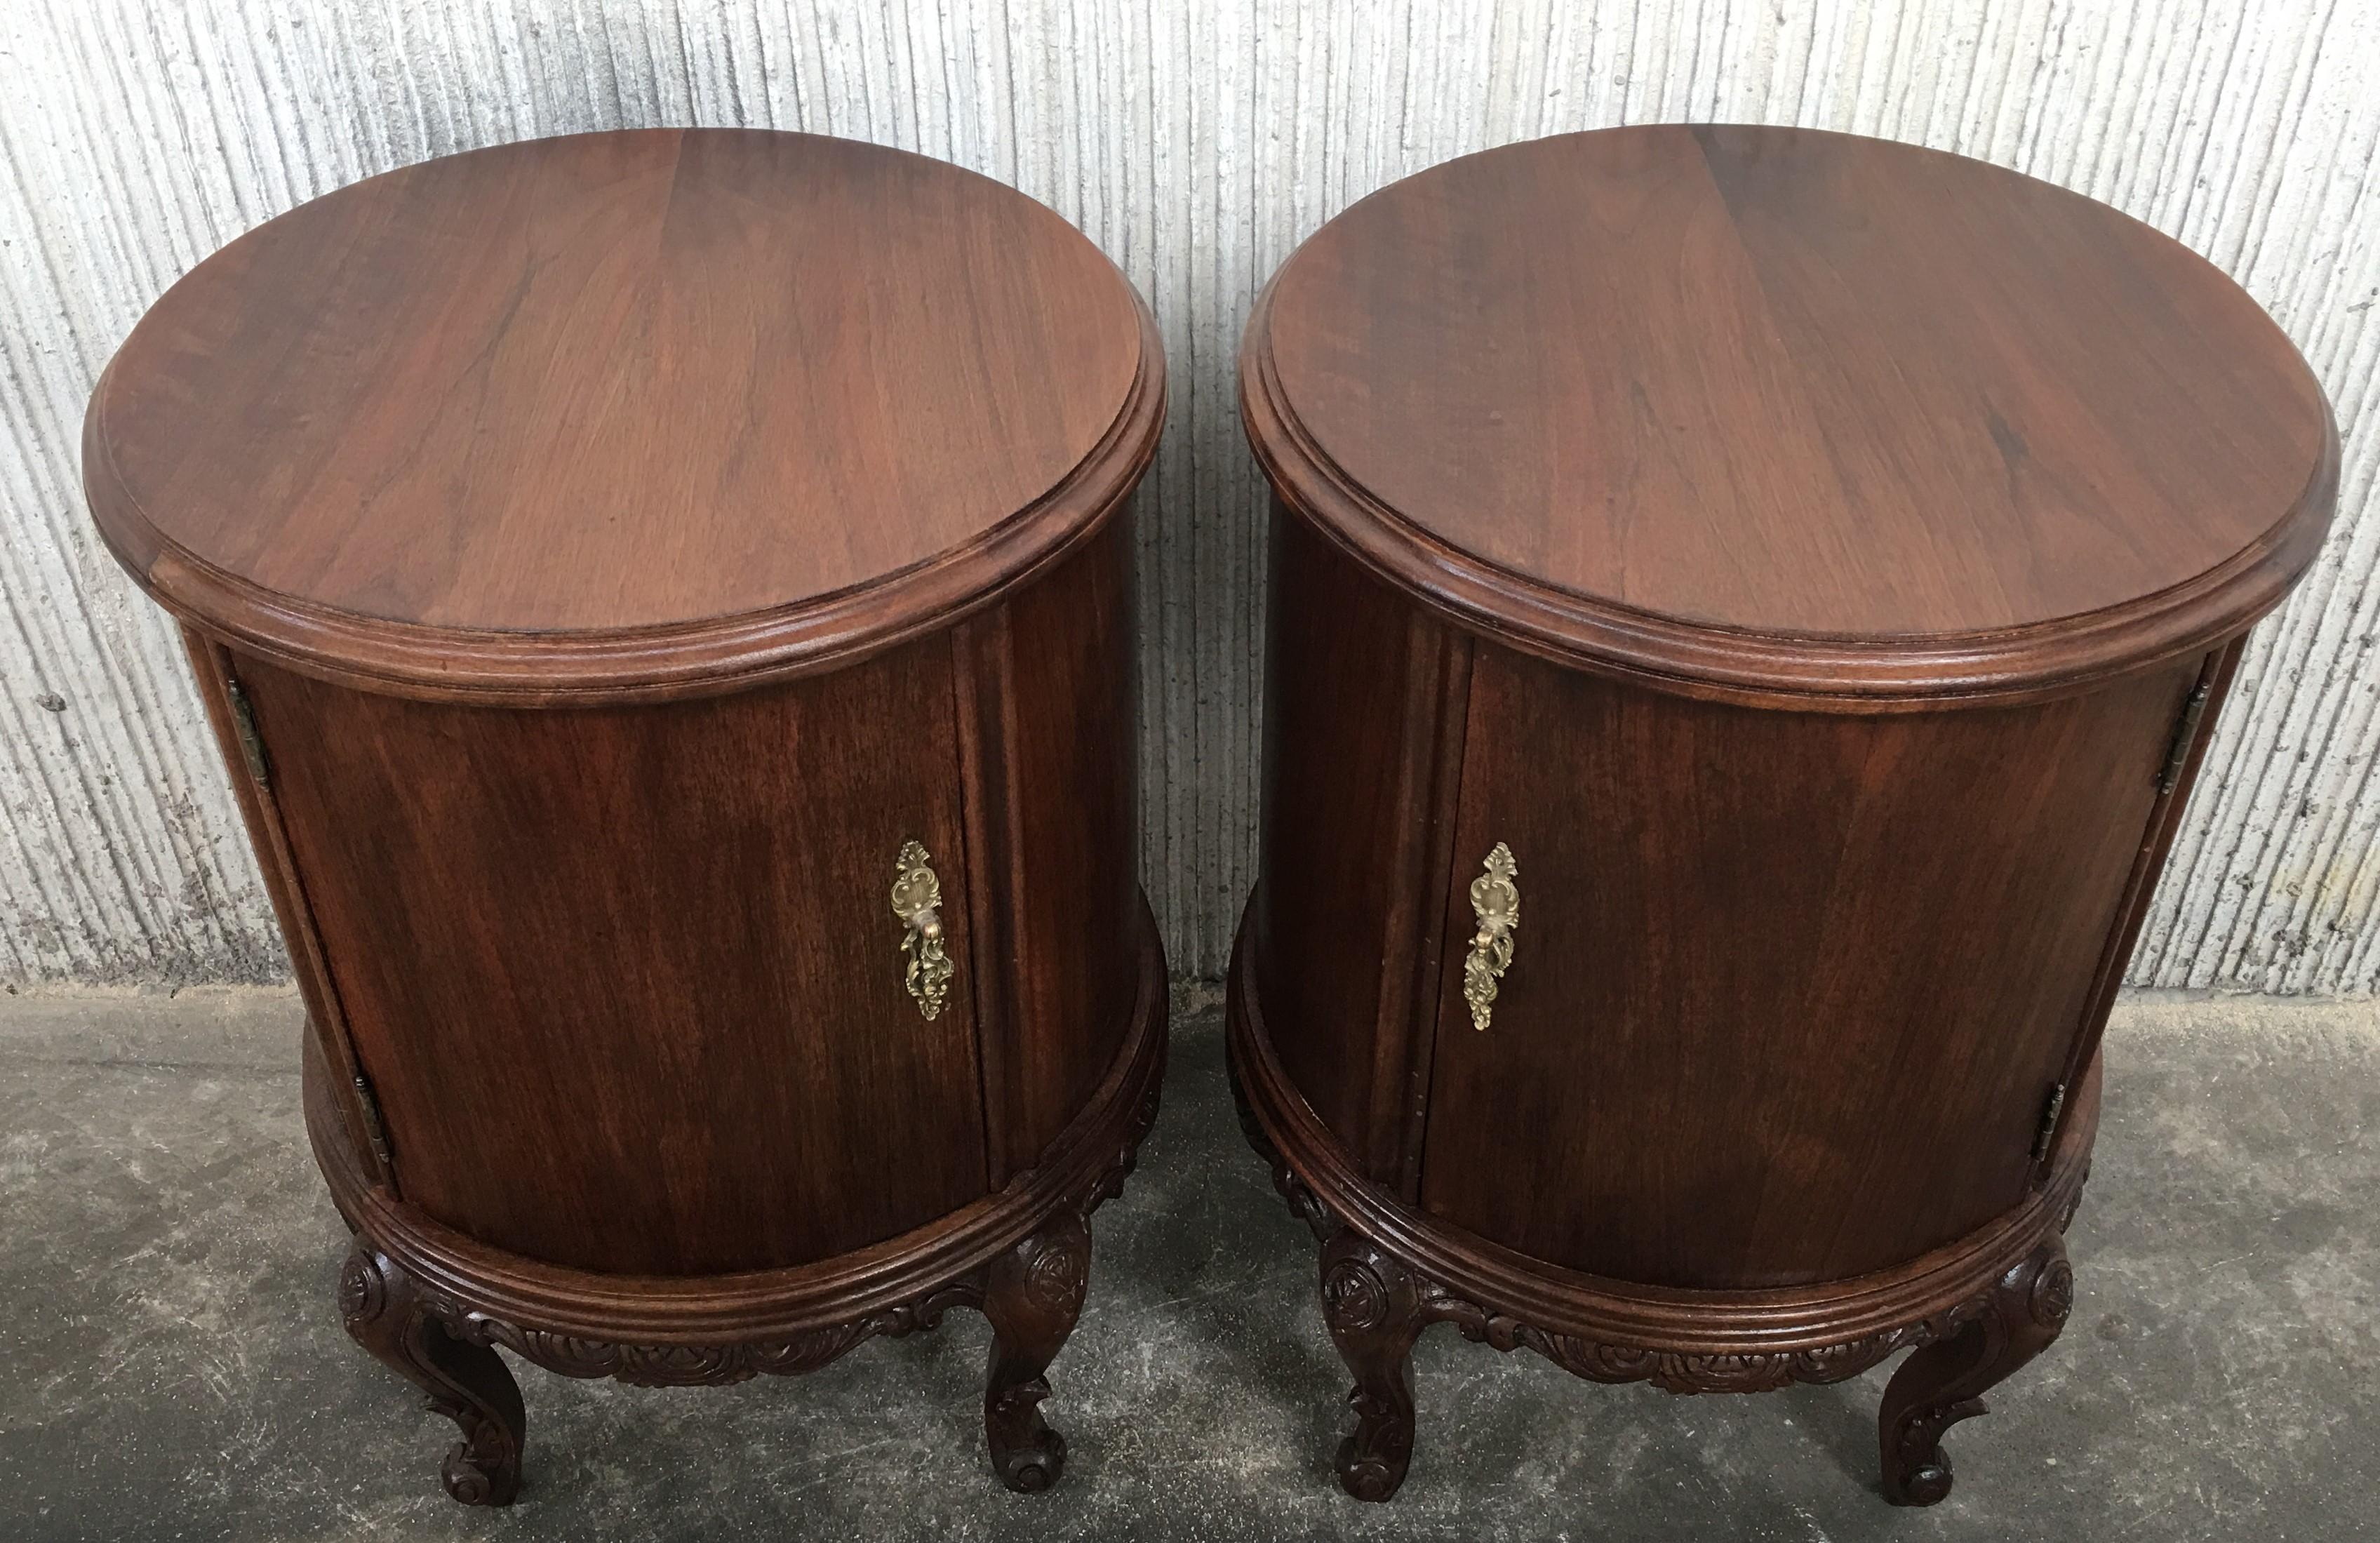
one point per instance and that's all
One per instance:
(386, 1313)
(1372, 1304)
(1944, 1382)
(1033, 1293)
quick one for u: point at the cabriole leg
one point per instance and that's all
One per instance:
(1033, 1293)
(1944, 1382)
(467, 1383)
(1370, 1302)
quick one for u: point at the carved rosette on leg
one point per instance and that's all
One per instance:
(1033, 1293)
(1944, 1382)
(389, 1316)
(1373, 1307)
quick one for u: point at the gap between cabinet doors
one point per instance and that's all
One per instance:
(625, 975)
(250, 768)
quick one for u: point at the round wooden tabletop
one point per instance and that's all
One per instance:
(1779, 411)
(620, 411)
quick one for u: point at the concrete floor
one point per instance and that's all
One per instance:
(176, 1370)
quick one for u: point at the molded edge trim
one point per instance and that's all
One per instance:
(1804, 670)
(682, 658)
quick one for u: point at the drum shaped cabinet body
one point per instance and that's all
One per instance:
(1747, 608)
(687, 723)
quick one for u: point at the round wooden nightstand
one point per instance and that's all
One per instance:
(666, 601)
(1748, 604)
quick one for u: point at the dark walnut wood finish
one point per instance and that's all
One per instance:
(1816, 563)
(602, 557)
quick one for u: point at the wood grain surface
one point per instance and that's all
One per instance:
(517, 405)
(1791, 992)
(1816, 563)
(625, 979)
(1061, 832)
(1783, 408)
(1359, 830)
(608, 563)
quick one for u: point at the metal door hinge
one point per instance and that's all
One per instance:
(375, 1128)
(251, 744)
(2049, 1113)
(2185, 733)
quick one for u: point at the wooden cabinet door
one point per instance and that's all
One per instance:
(627, 980)
(1790, 991)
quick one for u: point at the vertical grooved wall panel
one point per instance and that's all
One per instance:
(1197, 143)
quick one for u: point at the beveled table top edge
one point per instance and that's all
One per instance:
(1805, 670)
(679, 659)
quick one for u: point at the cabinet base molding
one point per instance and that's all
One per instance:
(1974, 1310)
(433, 1305)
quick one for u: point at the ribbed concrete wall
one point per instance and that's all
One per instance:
(1197, 143)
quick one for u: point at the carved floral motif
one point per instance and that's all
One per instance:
(681, 1366)
(1354, 1296)
(1056, 1279)
(386, 1311)
(2052, 1297)
(362, 1291)
(916, 906)
(2015, 1318)
(1376, 1304)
